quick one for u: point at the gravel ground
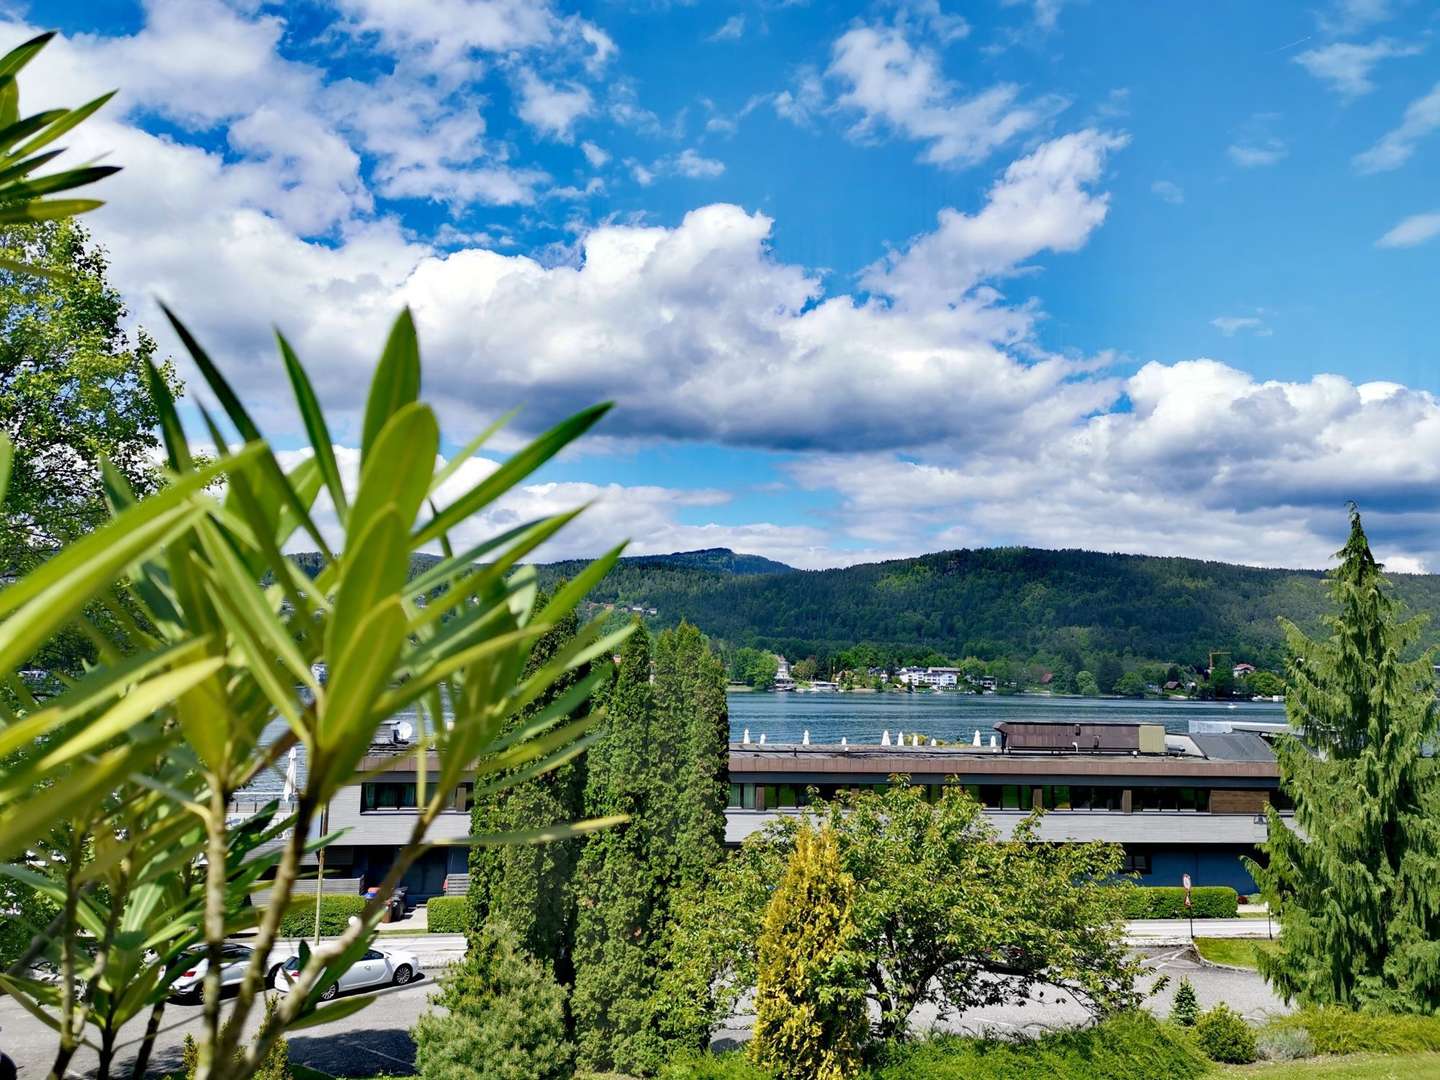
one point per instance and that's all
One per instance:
(376, 1040)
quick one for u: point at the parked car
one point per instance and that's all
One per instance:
(378, 967)
(190, 986)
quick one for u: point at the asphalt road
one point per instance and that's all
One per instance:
(375, 1040)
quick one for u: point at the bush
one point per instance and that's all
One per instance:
(1339, 1031)
(1168, 902)
(1284, 1044)
(336, 912)
(275, 1065)
(1186, 1008)
(448, 915)
(809, 1000)
(504, 1011)
(1224, 1035)
(729, 1066)
(1129, 1046)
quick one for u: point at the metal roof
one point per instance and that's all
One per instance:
(1235, 746)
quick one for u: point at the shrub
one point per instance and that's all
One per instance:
(1128, 1046)
(1224, 1036)
(448, 915)
(1168, 901)
(696, 1066)
(1284, 1044)
(504, 1011)
(335, 913)
(275, 1065)
(1339, 1031)
(1185, 1010)
(809, 1002)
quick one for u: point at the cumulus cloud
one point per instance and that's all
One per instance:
(898, 86)
(1257, 154)
(1169, 191)
(1414, 230)
(1395, 148)
(1346, 66)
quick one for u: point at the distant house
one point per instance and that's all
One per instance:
(1047, 678)
(1172, 686)
(941, 678)
(1241, 670)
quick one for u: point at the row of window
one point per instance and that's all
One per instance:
(1094, 798)
(398, 795)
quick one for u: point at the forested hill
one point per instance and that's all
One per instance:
(1057, 608)
(1021, 603)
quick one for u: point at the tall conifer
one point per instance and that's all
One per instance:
(1357, 881)
(530, 888)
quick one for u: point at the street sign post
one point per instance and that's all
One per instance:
(1189, 909)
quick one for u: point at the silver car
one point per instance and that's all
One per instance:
(190, 986)
(378, 967)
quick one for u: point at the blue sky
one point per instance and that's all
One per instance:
(865, 279)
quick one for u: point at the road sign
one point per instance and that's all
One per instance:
(1185, 881)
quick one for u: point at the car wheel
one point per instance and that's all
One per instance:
(330, 992)
(403, 974)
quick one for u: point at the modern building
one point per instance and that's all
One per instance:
(940, 678)
(1177, 803)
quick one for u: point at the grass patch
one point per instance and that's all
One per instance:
(1355, 1067)
(1337, 1031)
(1235, 952)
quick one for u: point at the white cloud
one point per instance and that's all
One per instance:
(691, 163)
(732, 29)
(1346, 66)
(1414, 230)
(1257, 154)
(1042, 202)
(897, 85)
(1045, 13)
(1230, 325)
(552, 109)
(597, 157)
(800, 104)
(1347, 16)
(1207, 461)
(1169, 191)
(1422, 117)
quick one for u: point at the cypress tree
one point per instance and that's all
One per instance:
(1357, 882)
(663, 761)
(809, 1002)
(530, 887)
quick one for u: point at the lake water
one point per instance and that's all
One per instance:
(862, 717)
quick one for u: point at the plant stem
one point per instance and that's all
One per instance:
(147, 1042)
(214, 927)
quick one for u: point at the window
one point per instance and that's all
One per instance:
(1104, 799)
(385, 795)
(1170, 799)
(465, 796)
(1136, 862)
(1010, 796)
(734, 795)
(747, 796)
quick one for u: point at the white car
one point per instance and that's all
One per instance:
(377, 967)
(190, 986)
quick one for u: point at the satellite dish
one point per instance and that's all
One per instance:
(403, 731)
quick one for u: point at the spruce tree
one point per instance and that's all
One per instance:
(530, 887)
(809, 997)
(1357, 881)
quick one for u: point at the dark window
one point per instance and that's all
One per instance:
(387, 796)
(465, 796)
(734, 795)
(747, 796)
(1010, 796)
(1136, 862)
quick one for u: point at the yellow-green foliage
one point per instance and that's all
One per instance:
(1339, 1031)
(809, 1007)
(275, 1065)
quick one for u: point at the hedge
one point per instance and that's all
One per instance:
(335, 914)
(447, 914)
(1339, 1031)
(1131, 1046)
(1168, 901)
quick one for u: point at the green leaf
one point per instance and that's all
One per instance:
(396, 382)
(54, 592)
(21, 822)
(46, 210)
(7, 457)
(374, 570)
(328, 1014)
(578, 587)
(72, 119)
(536, 836)
(512, 472)
(22, 54)
(177, 448)
(466, 452)
(315, 427)
(397, 474)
